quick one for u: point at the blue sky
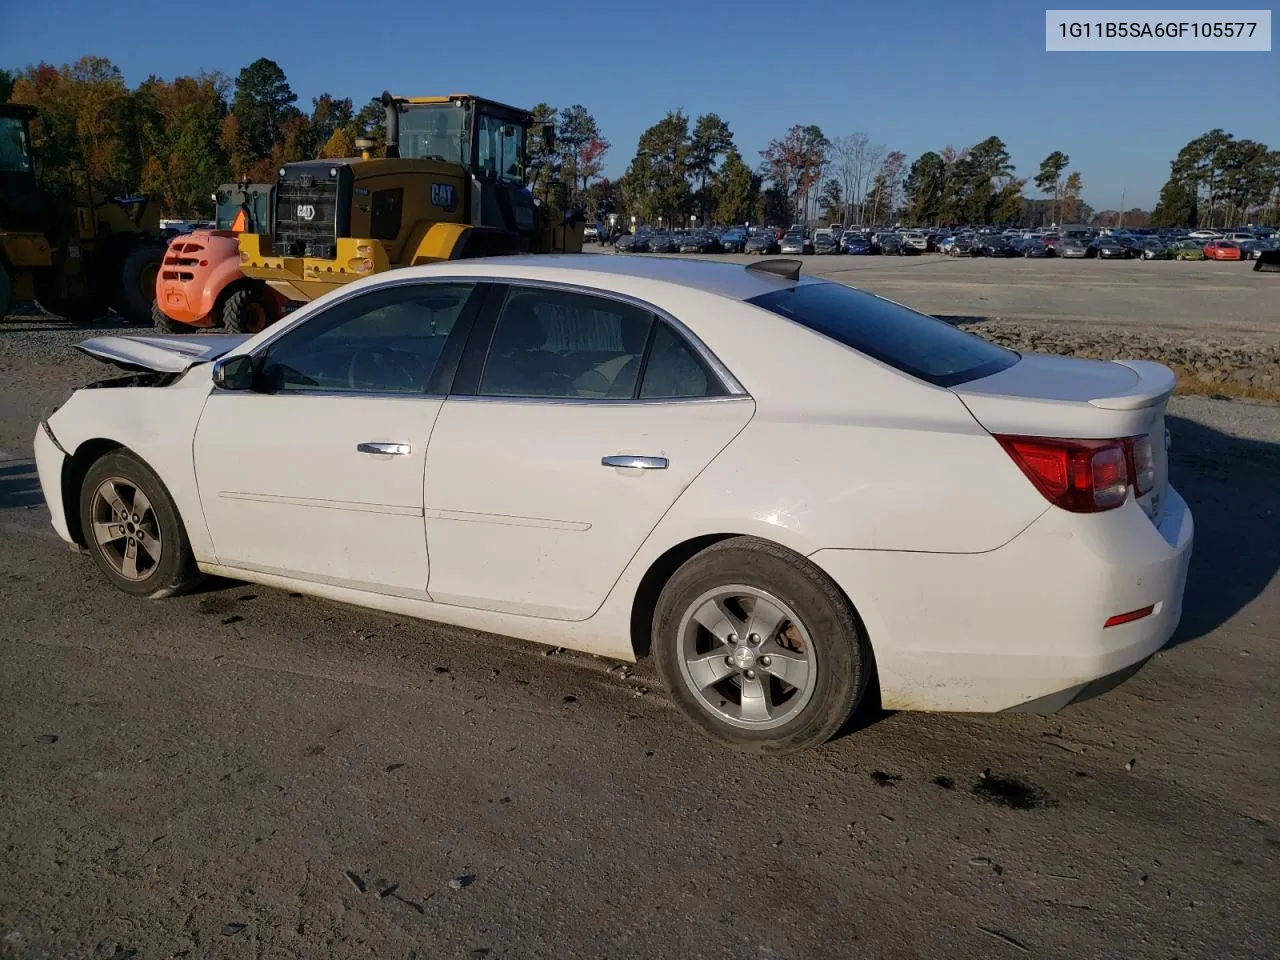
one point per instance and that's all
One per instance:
(914, 76)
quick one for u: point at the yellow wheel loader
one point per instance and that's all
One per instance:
(453, 184)
(76, 255)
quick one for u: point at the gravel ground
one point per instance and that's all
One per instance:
(250, 773)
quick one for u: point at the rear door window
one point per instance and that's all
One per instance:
(919, 345)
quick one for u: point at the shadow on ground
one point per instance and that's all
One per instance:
(19, 485)
(1230, 484)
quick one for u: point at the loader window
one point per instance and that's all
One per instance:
(440, 130)
(14, 155)
(500, 149)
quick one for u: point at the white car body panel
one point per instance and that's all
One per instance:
(977, 594)
(521, 515)
(295, 495)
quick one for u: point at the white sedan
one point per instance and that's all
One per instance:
(793, 493)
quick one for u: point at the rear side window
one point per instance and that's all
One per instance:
(921, 346)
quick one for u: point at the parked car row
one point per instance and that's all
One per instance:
(1069, 243)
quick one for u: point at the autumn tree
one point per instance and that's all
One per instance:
(339, 145)
(262, 104)
(297, 141)
(795, 163)
(1049, 177)
(1071, 203)
(590, 161)
(329, 115)
(86, 122)
(575, 129)
(179, 125)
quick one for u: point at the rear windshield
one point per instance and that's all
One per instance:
(918, 345)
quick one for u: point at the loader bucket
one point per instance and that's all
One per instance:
(1268, 261)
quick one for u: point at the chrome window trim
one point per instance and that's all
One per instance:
(733, 387)
(359, 394)
(603, 401)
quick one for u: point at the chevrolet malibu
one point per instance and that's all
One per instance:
(794, 494)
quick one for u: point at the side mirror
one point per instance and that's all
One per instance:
(234, 373)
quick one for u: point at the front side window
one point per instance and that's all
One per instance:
(15, 156)
(500, 149)
(439, 130)
(555, 343)
(918, 345)
(387, 341)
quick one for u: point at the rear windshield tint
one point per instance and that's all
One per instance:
(918, 345)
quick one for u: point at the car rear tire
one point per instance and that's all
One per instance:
(132, 529)
(759, 649)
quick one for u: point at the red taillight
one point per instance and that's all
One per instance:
(1129, 617)
(1084, 476)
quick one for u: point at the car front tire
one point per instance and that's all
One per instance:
(132, 529)
(759, 649)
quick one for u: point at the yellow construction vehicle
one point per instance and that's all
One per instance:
(453, 184)
(75, 254)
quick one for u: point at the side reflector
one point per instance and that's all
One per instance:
(1129, 617)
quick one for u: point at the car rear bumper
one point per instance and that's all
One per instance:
(50, 459)
(1022, 626)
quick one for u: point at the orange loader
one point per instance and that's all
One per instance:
(200, 284)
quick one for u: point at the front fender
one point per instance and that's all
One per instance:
(156, 423)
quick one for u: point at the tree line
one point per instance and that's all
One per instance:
(179, 139)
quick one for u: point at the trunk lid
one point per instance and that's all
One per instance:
(161, 354)
(1075, 398)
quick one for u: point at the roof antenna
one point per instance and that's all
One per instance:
(779, 267)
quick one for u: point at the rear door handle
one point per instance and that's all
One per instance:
(634, 463)
(385, 449)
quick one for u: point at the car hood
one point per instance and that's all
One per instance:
(162, 354)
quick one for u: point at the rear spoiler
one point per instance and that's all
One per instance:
(1155, 384)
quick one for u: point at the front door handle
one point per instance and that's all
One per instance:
(385, 449)
(634, 463)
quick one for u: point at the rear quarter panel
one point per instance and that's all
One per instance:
(843, 450)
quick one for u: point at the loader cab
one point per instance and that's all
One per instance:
(243, 208)
(20, 203)
(486, 138)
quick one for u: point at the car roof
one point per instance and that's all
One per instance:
(730, 280)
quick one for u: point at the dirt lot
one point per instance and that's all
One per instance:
(1157, 296)
(249, 773)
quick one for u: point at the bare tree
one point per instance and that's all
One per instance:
(856, 161)
(850, 160)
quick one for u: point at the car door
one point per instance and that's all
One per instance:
(316, 471)
(576, 421)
